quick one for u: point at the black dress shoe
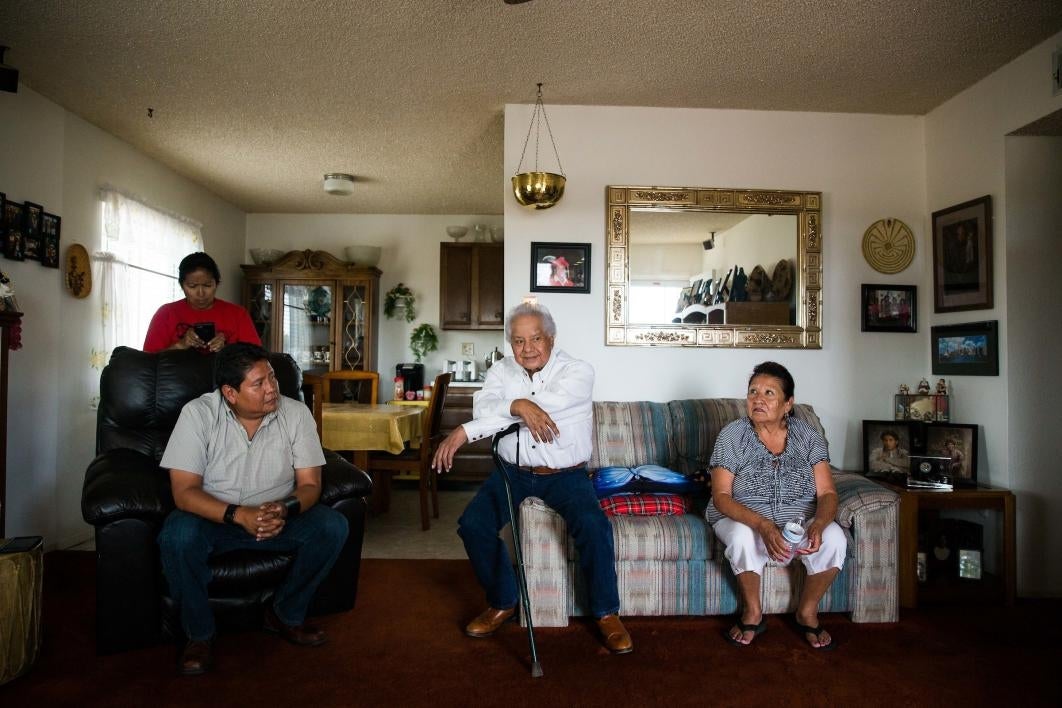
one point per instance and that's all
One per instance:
(196, 658)
(304, 635)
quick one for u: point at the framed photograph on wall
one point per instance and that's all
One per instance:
(887, 446)
(970, 349)
(958, 443)
(962, 256)
(14, 243)
(560, 267)
(50, 229)
(889, 308)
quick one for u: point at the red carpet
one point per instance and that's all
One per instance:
(403, 646)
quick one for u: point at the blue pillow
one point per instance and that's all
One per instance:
(644, 478)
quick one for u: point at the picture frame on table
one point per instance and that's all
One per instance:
(889, 308)
(51, 227)
(962, 256)
(970, 349)
(14, 243)
(888, 446)
(560, 267)
(958, 443)
(696, 295)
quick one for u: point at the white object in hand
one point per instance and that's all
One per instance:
(795, 535)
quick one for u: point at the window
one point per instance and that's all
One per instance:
(141, 250)
(653, 302)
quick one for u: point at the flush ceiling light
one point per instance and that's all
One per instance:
(339, 183)
(539, 189)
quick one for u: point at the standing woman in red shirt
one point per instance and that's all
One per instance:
(199, 321)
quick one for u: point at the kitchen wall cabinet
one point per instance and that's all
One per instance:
(471, 286)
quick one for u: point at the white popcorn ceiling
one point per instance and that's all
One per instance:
(257, 100)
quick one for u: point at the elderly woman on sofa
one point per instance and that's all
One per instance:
(768, 469)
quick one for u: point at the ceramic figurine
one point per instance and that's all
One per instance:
(942, 387)
(923, 386)
(737, 293)
(904, 390)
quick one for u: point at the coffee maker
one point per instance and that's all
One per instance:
(412, 376)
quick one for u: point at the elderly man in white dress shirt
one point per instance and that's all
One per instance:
(550, 394)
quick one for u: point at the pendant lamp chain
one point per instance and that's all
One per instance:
(536, 125)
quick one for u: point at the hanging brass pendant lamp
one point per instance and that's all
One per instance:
(538, 189)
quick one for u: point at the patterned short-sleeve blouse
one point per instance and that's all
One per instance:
(778, 487)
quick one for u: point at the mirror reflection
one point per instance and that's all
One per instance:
(711, 267)
(697, 267)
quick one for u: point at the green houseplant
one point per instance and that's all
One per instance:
(423, 340)
(400, 297)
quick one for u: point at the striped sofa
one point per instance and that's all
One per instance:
(673, 565)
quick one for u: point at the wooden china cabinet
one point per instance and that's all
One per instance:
(318, 308)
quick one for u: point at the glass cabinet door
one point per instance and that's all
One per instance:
(353, 324)
(307, 324)
(260, 306)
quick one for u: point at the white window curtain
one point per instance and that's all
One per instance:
(142, 248)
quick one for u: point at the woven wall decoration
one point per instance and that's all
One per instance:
(888, 246)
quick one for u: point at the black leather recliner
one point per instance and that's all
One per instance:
(127, 496)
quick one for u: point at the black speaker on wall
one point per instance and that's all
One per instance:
(8, 75)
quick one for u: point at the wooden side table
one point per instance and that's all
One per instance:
(915, 501)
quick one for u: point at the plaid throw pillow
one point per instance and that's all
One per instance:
(644, 505)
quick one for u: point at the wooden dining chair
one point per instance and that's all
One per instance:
(419, 460)
(323, 388)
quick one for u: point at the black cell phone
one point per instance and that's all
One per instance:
(204, 330)
(20, 544)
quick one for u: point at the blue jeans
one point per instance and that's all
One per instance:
(572, 495)
(187, 541)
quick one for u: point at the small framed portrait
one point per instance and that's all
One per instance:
(33, 214)
(560, 267)
(970, 349)
(50, 228)
(889, 308)
(14, 242)
(887, 447)
(958, 443)
(962, 256)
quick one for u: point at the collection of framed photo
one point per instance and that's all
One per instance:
(29, 233)
(895, 450)
(962, 280)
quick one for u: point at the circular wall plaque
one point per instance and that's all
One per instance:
(888, 246)
(78, 275)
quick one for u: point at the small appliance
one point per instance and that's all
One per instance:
(412, 376)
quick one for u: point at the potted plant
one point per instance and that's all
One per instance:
(400, 297)
(423, 340)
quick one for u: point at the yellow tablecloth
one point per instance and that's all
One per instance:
(363, 426)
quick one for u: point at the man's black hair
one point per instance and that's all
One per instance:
(234, 361)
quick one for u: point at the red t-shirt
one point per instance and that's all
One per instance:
(171, 321)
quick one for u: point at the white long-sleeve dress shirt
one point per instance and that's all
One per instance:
(564, 389)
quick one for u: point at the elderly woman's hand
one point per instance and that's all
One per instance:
(777, 546)
(814, 537)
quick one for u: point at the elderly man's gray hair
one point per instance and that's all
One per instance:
(528, 308)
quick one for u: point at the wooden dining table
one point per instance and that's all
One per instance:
(362, 427)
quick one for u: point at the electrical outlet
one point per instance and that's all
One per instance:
(468, 349)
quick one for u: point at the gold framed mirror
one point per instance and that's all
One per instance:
(681, 267)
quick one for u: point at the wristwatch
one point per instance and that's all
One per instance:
(230, 514)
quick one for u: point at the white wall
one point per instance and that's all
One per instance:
(966, 157)
(867, 167)
(60, 160)
(410, 256)
(1033, 252)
